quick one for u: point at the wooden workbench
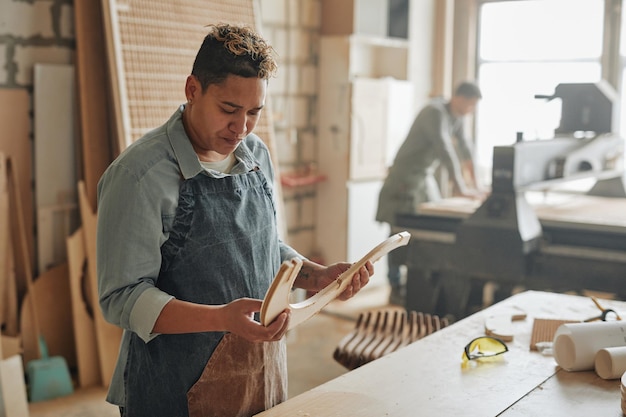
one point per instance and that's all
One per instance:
(583, 211)
(426, 378)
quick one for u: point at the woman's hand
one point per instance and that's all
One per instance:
(238, 318)
(315, 277)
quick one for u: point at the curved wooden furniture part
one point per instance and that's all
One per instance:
(380, 332)
(277, 297)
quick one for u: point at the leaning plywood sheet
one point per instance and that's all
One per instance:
(52, 291)
(15, 144)
(108, 336)
(82, 312)
(4, 239)
(92, 95)
(8, 286)
(55, 161)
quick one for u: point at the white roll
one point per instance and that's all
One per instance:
(576, 344)
(610, 363)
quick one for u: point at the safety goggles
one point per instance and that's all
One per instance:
(484, 347)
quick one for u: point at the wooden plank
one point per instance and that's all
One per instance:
(9, 346)
(55, 161)
(572, 209)
(15, 143)
(10, 342)
(17, 219)
(54, 224)
(11, 300)
(4, 238)
(93, 95)
(582, 209)
(52, 289)
(108, 336)
(82, 312)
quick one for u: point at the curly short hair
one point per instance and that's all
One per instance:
(233, 50)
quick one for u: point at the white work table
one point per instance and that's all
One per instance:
(426, 378)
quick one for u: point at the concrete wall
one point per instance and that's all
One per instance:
(40, 31)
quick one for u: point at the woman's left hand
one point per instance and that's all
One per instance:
(320, 277)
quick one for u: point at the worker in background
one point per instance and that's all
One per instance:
(188, 245)
(435, 138)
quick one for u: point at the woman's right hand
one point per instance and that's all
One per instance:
(238, 318)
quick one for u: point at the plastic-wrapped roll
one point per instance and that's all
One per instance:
(610, 362)
(576, 344)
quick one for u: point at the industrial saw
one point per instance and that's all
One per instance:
(507, 239)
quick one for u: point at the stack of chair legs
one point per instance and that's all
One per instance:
(383, 331)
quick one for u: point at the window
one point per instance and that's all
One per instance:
(527, 47)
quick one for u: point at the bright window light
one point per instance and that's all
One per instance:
(527, 48)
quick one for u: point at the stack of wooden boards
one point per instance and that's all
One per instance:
(382, 331)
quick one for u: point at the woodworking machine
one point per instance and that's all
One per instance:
(507, 240)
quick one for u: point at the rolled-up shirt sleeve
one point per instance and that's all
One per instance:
(129, 235)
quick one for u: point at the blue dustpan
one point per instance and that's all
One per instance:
(48, 377)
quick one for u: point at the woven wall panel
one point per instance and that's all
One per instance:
(151, 48)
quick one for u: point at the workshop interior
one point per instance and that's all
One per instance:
(81, 81)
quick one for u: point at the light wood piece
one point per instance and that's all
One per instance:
(427, 377)
(9, 300)
(52, 290)
(15, 143)
(4, 240)
(10, 304)
(84, 327)
(277, 297)
(501, 325)
(18, 220)
(93, 97)
(108, 336)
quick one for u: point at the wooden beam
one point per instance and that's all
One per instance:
(93, 95)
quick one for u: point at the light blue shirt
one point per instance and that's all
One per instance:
(137, 201)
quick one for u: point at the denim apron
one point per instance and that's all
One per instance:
(223, 246)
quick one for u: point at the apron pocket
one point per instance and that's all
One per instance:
(237, 379)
